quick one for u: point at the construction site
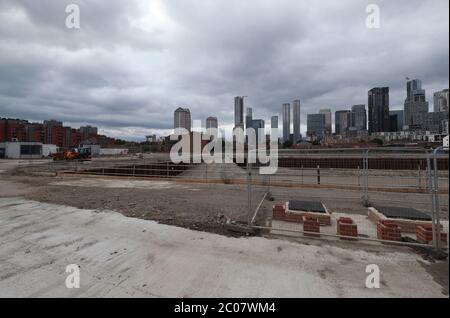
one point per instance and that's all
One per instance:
(331, 211)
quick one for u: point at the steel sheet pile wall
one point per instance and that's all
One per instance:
(354, 163)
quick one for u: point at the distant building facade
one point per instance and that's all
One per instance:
(416, 106)
(182, 119)
(239, 112)
(378, 104)
(434, 122)
(50, 132)
(151, 138)
(328, 120)
(296, 120)
(440, 100)
(396, 116)
(316, 125)
(342, 119)
(259, 126)
(87, 132)
(286, 122)
(358, 117)
(248, 117)
(212, 123)
(274, 122)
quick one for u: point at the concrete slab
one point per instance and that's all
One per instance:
(128, 257)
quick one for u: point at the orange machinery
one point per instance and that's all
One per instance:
(83, 154)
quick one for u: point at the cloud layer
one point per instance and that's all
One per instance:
(133, 62)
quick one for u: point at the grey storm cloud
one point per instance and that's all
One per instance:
(132, 63)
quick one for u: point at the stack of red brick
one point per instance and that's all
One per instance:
(279, 213)
(425, 234)
(324, 219)
(389, 231)
(311, 224)
(346, 227)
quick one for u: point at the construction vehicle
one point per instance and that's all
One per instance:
(81, 154)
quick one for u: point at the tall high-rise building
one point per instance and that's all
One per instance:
(239, 112)
(286, 122)
(328, 120)
(296, 120)
(274, 122)
(378, 101)
(441, 101)
(342, 119)
(211, 122)
(358, 118)
(182, 119)
(248, 117)
(416, 107)
(259, 126)
(316, 125)
(434, 122)
(399, 120)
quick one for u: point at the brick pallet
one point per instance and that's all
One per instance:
(347, 227)
(311, 224)
(424, 234)
(388, 231)
(279, 213)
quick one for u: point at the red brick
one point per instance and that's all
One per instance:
(278, 212)
(311, 224)
(346, 227)
(388, 230)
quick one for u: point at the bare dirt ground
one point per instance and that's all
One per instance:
(196, 207)
(199, 206)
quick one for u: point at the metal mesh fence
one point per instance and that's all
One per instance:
(373, 190)
(353, 185)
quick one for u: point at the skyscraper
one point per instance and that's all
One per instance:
(441, 101)
(286, 122)
(328, 121)
(434, 122)
(239, 112)
(274, 122)
(296, 120)
(358, 118)
(316, 125)
(257, 125)
(416, 107)
(399, 118)
(342, 122)
(211, 122)
(248, 117)
(378, 102)
(182, 119)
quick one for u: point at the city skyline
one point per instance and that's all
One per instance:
(109, 72)
(352, 120)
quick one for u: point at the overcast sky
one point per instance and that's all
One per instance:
(133, 62)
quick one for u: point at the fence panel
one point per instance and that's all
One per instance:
(385, 194)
